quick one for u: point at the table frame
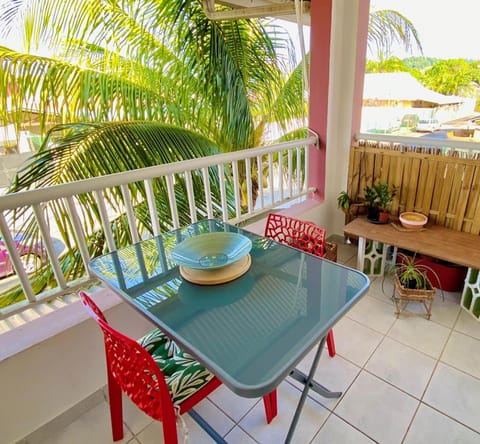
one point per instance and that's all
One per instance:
(306, 379)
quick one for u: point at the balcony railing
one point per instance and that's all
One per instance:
(280, 170)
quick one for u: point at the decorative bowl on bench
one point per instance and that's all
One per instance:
(413, 220)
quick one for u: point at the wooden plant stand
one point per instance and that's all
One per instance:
(402, 296)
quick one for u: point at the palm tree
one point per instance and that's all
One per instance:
(155, 60)
(387, 27)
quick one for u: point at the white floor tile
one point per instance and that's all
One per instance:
(445, 312)
(190, 432)
(335, 430)
(430, 426)
(233, 405)
(221, 423)
(238, 436)
(312, 417)
(336, 374)
(456, 394)
(467, 324)
(463, 353)
(402, 366)
(382, 289)
(373, 313)
(421, 334)
(92, 427)
(354, 341)
(135, 419)
(378, 409)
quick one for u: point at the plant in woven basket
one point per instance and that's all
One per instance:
(410, 274)
(412, 284)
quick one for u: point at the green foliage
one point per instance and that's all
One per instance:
(380, 195)
(393, 64)
(410, 274)
(140, 61)
(344, 201)
(453, 77)
(386, 28)
(78, 151)
(419, 63)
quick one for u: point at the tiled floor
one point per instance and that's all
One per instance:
(404, 380)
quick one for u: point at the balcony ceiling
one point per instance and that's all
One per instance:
(284, 9)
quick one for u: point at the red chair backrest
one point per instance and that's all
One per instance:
(132, 367)
(297, 233)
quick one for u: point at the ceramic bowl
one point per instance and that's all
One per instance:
(410, 219)
(211, 250)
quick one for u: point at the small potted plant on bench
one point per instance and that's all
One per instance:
(379, 197)
(411, 283)
(351, 207)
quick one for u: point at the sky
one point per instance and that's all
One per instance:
(447, 29)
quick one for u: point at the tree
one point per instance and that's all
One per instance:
(224, 80)
(155, 60)
(453, 77)
(387, 27)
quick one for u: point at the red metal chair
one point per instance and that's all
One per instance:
(303, 235)
(150, 372)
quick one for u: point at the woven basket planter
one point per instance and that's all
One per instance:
(330, 251)
(402, 296)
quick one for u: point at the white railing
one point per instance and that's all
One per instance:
(459, 147)
(282, 167)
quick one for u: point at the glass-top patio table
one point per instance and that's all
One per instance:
(252, 331)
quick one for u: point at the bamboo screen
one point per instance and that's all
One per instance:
(443, 185)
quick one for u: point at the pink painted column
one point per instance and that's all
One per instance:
(320, 33)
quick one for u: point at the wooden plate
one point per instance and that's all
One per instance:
(217, 275)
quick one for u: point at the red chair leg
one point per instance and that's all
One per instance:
(270, 403)
(331, 344)
(170, 431)
(115, 402)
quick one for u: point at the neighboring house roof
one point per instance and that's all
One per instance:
(402, 86)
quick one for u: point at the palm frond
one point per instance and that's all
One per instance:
(387, 27)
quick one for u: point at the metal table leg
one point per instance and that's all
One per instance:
(207, 427)
(309, 383)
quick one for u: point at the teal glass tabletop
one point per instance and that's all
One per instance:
(250, 332)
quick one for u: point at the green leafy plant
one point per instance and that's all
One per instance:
(380, 195)
(344, 200)
(410, 274)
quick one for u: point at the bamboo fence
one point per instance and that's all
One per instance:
(442, 184)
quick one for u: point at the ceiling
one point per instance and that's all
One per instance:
(284, 9)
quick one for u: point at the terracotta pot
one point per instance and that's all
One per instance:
(383, 217)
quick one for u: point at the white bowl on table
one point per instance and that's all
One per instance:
(413, 220)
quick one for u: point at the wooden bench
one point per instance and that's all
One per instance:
(440, 242)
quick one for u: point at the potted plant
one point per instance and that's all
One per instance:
(351, 207)
(379, 197)
(411, 283)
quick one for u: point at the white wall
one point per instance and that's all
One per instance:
(342, 76)
(52, 376)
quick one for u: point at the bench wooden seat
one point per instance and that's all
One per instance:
(437, 241)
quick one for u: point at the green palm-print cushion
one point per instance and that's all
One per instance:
(183, 374)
